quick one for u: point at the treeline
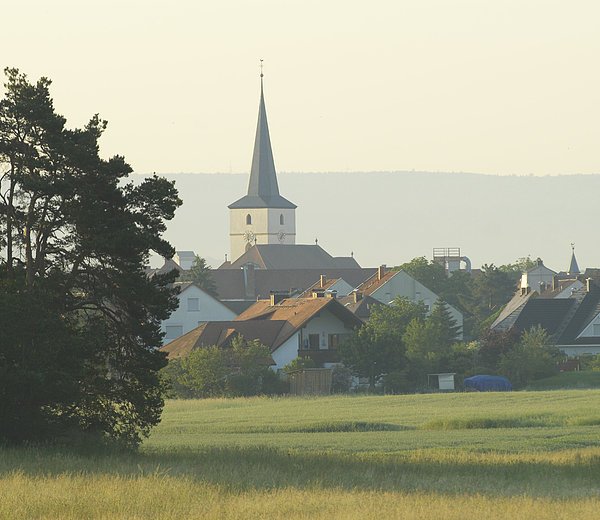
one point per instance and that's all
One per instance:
(394, 352)
(479, 296)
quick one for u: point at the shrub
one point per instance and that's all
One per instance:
(341, 379)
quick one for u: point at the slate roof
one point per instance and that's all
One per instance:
(263, 191)
(291, 256)
(230, 283)
(362, 308)
(549, 313)
(573, 267)
(563, 318)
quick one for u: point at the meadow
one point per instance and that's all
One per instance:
(522, 455)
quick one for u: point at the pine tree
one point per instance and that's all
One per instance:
(79, 318)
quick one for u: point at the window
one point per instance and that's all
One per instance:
(281, 219)
(313, 341)
(193, 304)
(173, 331)
(334, 341)
(248, 219)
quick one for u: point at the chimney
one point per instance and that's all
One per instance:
(357, 296)
(277, 297)
(249, 281)
(323, 280)
(588, 284)
(554, 283)
(380, 271)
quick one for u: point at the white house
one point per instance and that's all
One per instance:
(290, 327)
(196, 307)
(386, 286)
(538, 278)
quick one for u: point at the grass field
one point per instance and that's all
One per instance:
(523, 455)
(583, 379)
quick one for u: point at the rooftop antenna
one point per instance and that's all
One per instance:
(261, 68)
(573, 246)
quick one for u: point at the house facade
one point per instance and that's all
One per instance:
(196, 307)
(290, 327)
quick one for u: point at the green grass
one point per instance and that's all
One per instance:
(567, 380)
(521, 454)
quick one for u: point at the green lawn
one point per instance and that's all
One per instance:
(521, 454)
(583, 379)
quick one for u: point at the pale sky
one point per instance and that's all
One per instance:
(503, 87)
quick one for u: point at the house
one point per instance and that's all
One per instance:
(196, 307)
(337, 286)
(385, 286)
(571, 317)
(537, 278)
(291, 327)
(185, 259)
(359, 304)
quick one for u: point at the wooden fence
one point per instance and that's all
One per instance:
(310, 381)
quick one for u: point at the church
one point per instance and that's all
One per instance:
(262, 224)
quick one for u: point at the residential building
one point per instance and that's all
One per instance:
(196, 307)
(385, 286)
(290, 327)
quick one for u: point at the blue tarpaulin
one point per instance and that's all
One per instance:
(488, 383)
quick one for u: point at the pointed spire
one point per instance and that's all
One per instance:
(263, 190)
(573, 268)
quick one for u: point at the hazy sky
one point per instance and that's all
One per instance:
(508, 87)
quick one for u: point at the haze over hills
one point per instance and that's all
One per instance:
(391, 217)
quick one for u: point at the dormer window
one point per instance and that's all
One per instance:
(281, 219)
(248, 219)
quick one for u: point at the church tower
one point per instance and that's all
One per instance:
(262, 216)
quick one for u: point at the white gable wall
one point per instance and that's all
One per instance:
(592, 330)
(405, 286)
(324, 324)
(537, 276)
(286, 352)
(185, 318)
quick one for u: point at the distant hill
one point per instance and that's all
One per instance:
(393, 217)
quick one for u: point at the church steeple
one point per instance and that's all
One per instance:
(573, 268)
(263, 190)
(262, 216)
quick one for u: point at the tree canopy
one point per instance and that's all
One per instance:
(80, 320)
(200, 274)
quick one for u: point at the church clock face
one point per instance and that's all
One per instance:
(281, 236)
(248, 236)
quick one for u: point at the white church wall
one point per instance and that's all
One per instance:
(275, 227)
(238, 228)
